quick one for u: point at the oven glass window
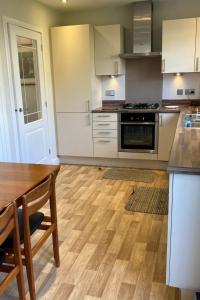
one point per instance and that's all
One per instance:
(138, 137)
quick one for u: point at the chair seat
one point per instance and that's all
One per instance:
(34, 222)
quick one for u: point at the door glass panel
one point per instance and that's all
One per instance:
(30, 81)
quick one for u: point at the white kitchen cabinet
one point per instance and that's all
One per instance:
(109, 44)
(105, 147)
(167, 128)
(76, 87)
(178, 45)
(74, 134)
(105, 135)
(183, 245)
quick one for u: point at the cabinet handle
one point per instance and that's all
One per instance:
(104, 141)
(161, 121)
(103, 116)
(88, 118)
(163, 65)
(104, 124)
(197, 64)
(88, 105)
(104, 132)
(116, 67)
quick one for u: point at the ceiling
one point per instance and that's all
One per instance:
(72, 5)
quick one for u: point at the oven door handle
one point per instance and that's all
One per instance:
(137, 123)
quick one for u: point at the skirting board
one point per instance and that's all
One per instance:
(114, 162)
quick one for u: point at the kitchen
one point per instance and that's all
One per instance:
(120, 100)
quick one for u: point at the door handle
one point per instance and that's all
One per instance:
(88, 105)
(163, 65)
(20, 109)
(197, 64)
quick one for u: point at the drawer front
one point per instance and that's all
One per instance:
(105, 117)
(104, 125)
(105, 133)
(105, 147)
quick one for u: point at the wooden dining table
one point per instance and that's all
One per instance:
(16, 179)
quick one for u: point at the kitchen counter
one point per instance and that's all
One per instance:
(185, 153)
(116, 109)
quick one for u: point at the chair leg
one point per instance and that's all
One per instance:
(30, 273)
(20, 284)
(54, 220)
(56, 247)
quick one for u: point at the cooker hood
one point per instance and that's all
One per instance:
(142, 31)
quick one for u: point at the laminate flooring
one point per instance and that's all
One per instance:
(106, 252)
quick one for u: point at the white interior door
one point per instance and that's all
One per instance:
(29, 91)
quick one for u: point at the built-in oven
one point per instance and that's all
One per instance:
(138, 132)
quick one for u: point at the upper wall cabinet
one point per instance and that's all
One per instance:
(75, 83)
(178, 45)
(109, 43)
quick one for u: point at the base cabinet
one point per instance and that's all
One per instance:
(105, 147)
(167, 128)
(183, 263)
(74, 132)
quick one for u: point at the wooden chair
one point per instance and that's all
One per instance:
(30, 220)
(8, 225)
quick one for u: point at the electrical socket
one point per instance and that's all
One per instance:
(179, 92)
(110, 92)
(189, 92)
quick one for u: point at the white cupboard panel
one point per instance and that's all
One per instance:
(105, 147)
(105, 117)
(178, 45)
(167, 129)
(108, 46)
(72, 67)
(183, 265)
(105, 125)
(74, 134)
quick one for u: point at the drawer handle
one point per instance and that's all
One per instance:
(104, 132)
(103, 124)
(104, 141)
(103, 116)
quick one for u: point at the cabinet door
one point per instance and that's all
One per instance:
(197, 58)
(74, 134)
(108, 46)
(178, 45)
(167, 128)
(71, 52)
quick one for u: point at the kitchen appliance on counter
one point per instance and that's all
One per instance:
(138, 132)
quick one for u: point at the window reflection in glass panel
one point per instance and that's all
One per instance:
(30, 81)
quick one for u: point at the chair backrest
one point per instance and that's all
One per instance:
(7, 221)
(37, 198)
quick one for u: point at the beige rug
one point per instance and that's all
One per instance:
(130, 174)
(148, 200)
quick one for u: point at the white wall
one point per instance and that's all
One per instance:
(171, 83)
(33, 13)
(117, 84)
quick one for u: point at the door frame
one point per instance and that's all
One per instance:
(50, 107)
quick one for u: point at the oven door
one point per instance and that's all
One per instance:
(138, 137)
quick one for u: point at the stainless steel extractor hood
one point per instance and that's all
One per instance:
(142, 27)
(142, 31)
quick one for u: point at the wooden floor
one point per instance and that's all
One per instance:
(106, 252)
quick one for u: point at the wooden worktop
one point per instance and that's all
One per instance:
(185, 153)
